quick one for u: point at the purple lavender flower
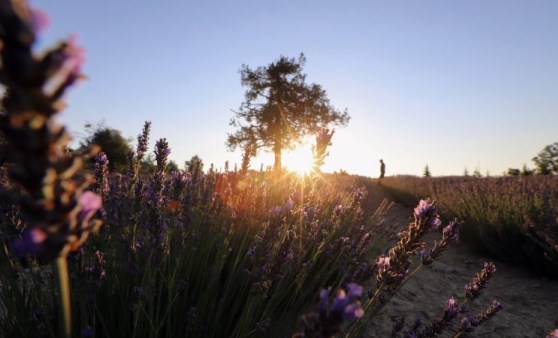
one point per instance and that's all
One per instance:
(452, 309)
(382, 263)
(344, 304)
(474, 289)
(353, 311)
(87, 332)
(437, 326)
(101, 186)
(31, 242)
(143, 139)
(74, 54)
(355, 290)
(329, 321)
(423, 209)
(553, 334)
(289, 205)
(90, 202)
(162, 152)
(276, 210)
(468, 324)
(39, 20)
(449, 234)
(451, 231)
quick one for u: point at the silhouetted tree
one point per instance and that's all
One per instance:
(112, 143)
(514, 172)
(148, 165)
(280, 108)
(546, 161)
(477, 173)
(526, 171)
(426, 172)
(194, 166)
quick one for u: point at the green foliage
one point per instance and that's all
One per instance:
(513, 172)
(194, 166)
(280, 108)
(546, 161)
(112, 143)
(526, 171)
(477, 173)
(172, 166)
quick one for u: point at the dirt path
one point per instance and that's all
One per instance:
(530, 301)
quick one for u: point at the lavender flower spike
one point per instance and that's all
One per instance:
(474, 289)
(427, 213)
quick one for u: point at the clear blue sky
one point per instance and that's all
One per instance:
(451, 84)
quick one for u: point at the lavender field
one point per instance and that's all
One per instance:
(511, 218)
(97, 246)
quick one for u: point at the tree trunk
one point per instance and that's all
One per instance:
(277, 166)
(277, 147)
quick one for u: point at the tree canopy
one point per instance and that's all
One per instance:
(546, 161)
(280, 108)
(112, 143)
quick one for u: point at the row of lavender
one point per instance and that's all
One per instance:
(512, 218)
(184, 253)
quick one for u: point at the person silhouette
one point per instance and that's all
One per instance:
(382, 169)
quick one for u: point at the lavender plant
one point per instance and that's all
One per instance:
(511, 218)
(57, 207)
(319, 150)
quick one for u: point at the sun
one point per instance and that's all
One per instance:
(299, 159)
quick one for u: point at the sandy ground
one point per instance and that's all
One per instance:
(530, 301)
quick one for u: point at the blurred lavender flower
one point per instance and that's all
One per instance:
(553, 334)
(87, 332)
(276, 211)
(58, 216)
(39, 20)
(329, 321)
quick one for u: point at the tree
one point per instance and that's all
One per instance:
(280, 108)
(477, 173)
(526, 171)
(514, 172)
(547, 160)
(112, 143)
(426, 172)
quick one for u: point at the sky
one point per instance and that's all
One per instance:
(453, 85)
